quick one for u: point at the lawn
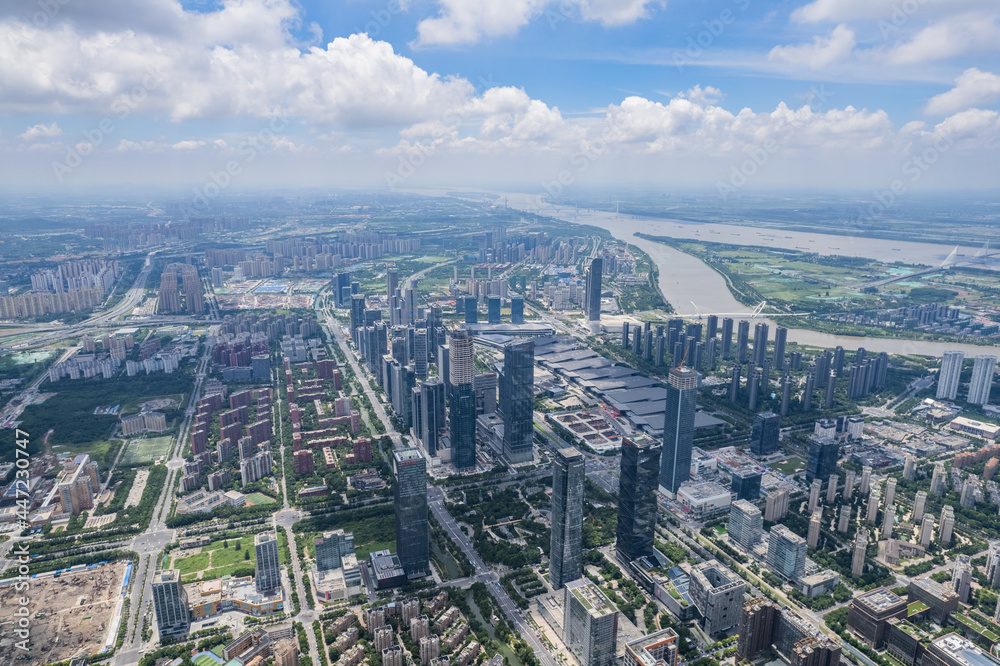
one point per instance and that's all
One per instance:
(192, 563)
(362, 550)
(789, 466)
(226, 556)
(239, 544)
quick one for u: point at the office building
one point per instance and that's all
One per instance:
(412, 532)
(940, 600)
(824, 452)
(786, 553)
(331, 548)
(949, 375)
(638, 480)
(516, 407)
(954, 650)
(493, 309)
(746, 525)
(517, 310)
(982, 379)
(746, 483)
(592, 307)
(776, 505)
(758, 624)
(170, 603)
(717, 593)
(268, 570)
(590, 625)
(471, 310)
(656, 649)
(566, 552)
(678, 429)
(462, 401)
(869, 614)
(764, 434)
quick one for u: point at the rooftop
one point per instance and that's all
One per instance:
(879, 600)
(964, 651)
(591, 597)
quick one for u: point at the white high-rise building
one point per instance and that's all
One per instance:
(982, 379)
(949, 374)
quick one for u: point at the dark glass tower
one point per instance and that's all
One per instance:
(517, 394)
(594, 276)
(640, 470)
(517, 310)
(471, 311)
(678, 428)
(566, 553)
(764, 435)
(462, 400)
(412, 536)
(746, 484)
(823, 455)
(493, 310)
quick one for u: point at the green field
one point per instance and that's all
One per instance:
(790, 466)
(205, 661)
(146, 450)
(216, 561)
(259, 498)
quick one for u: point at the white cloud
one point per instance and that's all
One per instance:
(949, 37)
(188, 145)
(618, 12)
(820, 53)
(972, 88)
(469, 21)
(706, 95)
(975, 126)
(895, 12)
(41, 131)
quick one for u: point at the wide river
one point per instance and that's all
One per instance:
(692, 286)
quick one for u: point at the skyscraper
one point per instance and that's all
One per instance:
(194, 293)
(471, 310)
(590, 624)
(410, 490)
(858, 557)
(786, 553)
(517, 309)
(764, 433)
(169, 299)
(982, 379)
(949, 375)
(780, 341)
(824, 452)
(357, 315)
(593, 291)
(760, 333)
(746, 525)
(462, 400)
(517, 395)
(391, 282)
(640, 469)
(268, 570)
(170, 603)
(678, 429)
(566, 552)
(493, 310)
(331, 548)
(746, 483)
(727, 338)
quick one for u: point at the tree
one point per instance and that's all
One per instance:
(246, 554)
(225, 543)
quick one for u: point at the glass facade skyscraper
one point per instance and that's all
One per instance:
(410, 489)
(640, 470)
(462, 400)
(593, 295)
(764, 434)
(268, 571)
(517, 394)
(823, 455)
(678, 428)
(566, 552)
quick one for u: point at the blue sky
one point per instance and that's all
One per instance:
(518, 93)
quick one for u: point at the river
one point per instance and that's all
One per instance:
(692, 286)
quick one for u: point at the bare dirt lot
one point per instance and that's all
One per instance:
(69, 615)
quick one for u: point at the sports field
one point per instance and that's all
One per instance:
(259, 498)
(146, 450)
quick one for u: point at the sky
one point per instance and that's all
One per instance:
(887, 97)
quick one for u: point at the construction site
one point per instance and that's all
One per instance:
(71, 613)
